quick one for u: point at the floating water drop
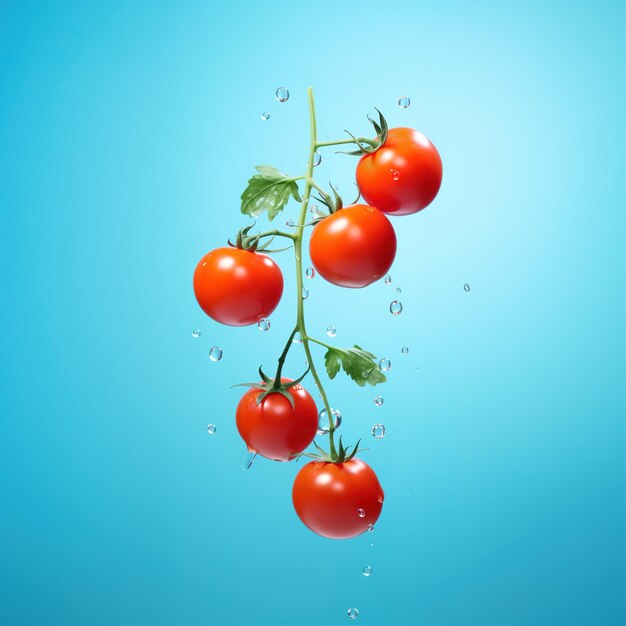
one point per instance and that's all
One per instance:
(388, 279)
(466, 287)
(211, 429)
(378, 431)
(360, 512)
(264, 324)
(296, 338)
(247, 459)
(367, 570)
(322, 423)
(378, 400)
(395, 174)
(313, 209)
(395, 308)
(331, 331)
(405, 350)
(404, 102)
(282, 94)
(289, 224)
(215, 354)
(398, 290)
(310, 273)
(317, 159)
(370, 528)
(353, 613)
(384, 364)
(305, 293)
(265, 116)
(195, 333)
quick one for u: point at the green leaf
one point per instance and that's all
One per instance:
(357, 363)
(269, 190)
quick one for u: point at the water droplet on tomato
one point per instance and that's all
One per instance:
(195, 333)
(384, 364)
(215, 354)
(378, 431)
(282, 94)
(395, 308)
(404, 102)
(211, 429)
(317, 159)
(466, 287)
(264, 324)
(265, 116)
(395, 174)
(247, 459)
(305, 293)
(378, 400)
(353, 613)
(388, 279)
(310, 273)
(331, 331)
(322, 422)
(367, 570)
(360, 512)
(405, 350)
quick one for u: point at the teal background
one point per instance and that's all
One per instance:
(127, 132)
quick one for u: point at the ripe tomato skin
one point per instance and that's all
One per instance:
(354, 246)
(237, 287)
(327, 498)
(403, 176)
(273, 428)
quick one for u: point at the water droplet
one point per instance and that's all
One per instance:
(395, 308)
(215, 354)
(404, 102)
(282, 94)
(367, 570)
(398, 290)
(353, 613)
(405, 350)
(247, 459)
(265, 116)
(395, 174)
(384, 364)
(264, 324)
(195, 333)
(466, 287)
(370, 528)
(317, 159)
(331, 331)
(371, 545)
(378, 400)
(322, 423)
(360, 512)
(310, 273)
(313, 209)
(211, 429)
(305, 293)
(388, 279)
(289, 224)
(378, 431)
(296, 338)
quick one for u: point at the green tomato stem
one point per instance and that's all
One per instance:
(282, 357)
(273, 233)
(297, 239)
(341, 142)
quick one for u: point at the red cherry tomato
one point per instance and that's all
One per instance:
(273, 428)
(354, 246)
(337, 500)
(237, 287)
(403, 176)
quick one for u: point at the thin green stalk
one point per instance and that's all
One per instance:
(341, 142)
(282, 357)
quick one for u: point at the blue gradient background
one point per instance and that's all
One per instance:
(127, 132)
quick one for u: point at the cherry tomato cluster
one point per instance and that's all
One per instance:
(336, 495)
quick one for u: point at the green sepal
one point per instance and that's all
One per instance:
(280, 390)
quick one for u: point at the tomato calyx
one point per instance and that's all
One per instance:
(342, 454)
(244, 241)
(381, 127)
(270, 385)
